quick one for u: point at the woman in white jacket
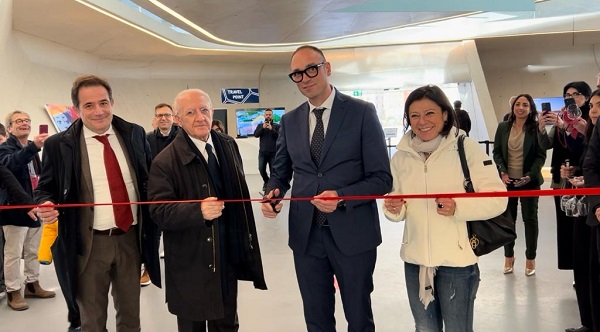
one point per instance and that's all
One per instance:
(441, 269)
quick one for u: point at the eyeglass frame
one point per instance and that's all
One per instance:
(21, 121)
(572, 95)
(165, 115)
(305, 72)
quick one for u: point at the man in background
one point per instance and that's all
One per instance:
(267, 132)
(462, 117)
(22, 234)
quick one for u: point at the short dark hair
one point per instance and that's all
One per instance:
(436, 95)
(457, 104)
(88, 81)
(581, 87)
(309, 47)
(161, 105)
(268, 110)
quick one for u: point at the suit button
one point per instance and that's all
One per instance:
(209, 239)
(320, 175)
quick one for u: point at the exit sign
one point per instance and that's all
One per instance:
(357, 93)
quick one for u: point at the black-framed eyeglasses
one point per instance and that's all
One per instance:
(573, 95)
(310, 71)
(163, 115)
(21, 121)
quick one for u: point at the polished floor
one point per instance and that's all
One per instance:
(511, 303)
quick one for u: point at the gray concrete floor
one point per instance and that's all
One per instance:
(511, 303)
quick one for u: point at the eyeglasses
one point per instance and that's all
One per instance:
(21, 121)
(310, 71)
(165, 115)
(573, 95)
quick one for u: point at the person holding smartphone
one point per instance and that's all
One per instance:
(520, 158)
(567, 142)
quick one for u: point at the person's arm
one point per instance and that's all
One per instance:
(497, 151)
(17, 159)
(15, 191)
(259, 130)
(546, 138)
(282, 165)
(275, 130)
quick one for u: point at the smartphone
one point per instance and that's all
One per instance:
(43, 129)
(546, 108)
(569, 101)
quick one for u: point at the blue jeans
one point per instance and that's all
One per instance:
(454, 298)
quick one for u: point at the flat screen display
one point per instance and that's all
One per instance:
(248, 118)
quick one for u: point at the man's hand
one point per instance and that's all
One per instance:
(47, 215)
(326, 205)
(39, 140)
(211, 208)
(271, 207)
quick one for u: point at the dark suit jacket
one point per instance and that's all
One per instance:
(63, 182)
(354, 161)
(534, 155)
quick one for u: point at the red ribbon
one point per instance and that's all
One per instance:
(514, 193)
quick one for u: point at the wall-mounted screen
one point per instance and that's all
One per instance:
(248, 118)
(556, 103)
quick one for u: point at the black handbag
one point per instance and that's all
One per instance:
(485, 236)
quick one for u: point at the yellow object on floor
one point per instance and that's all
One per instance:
(49, 234)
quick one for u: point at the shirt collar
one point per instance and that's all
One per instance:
(87, 133)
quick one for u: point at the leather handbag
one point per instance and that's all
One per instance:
(485, 236)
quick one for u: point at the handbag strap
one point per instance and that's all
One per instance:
(463, 162)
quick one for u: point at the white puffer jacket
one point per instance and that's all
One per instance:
(431, 239)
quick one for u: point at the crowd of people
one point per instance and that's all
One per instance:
(329, 148)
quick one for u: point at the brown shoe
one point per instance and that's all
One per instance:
(15, 301)
(35, 290)
(145, 279)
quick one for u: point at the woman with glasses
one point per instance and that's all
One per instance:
(520, 158)
(567, 140)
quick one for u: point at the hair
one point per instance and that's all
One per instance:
(581, 87)
(8, 120)
(161, 105)
(180, 94)
(219, 124)
(268, 109)
(88, 81)
(2, 130)
(457, 104)
(531, 121)
(589, 128)
(309, 47)
(436, 95)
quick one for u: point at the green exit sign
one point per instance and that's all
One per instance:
(357, 93)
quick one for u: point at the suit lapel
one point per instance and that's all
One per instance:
(304, 131)
(86, 175)
(336, 117)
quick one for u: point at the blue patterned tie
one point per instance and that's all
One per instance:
(316, 147)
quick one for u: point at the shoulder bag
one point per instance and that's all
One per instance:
(485, 236)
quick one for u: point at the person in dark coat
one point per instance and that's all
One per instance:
(463, 121)
(213, 242)
(165, 131)
(74, 171)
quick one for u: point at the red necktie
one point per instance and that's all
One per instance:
(116, 185)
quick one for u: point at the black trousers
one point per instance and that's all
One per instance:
(265, 158)
(564, 237)
(581, 252)
(595, 276)
(229, 323)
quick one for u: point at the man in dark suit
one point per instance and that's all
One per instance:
(101, 158)
(338, 151)
(165, 131)
(213, 242)
(462, 117)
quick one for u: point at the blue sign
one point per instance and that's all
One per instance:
(239, 96)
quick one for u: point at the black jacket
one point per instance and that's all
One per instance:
(16, 158)
(158, 142)
(193, 246)
(268, 137)
(61, 182)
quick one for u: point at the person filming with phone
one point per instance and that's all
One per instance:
(267, 132)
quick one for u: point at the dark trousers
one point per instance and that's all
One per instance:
(529, 212)
(2, 286)
(595, 276)
(315, 270)
(581, 269)
(265, 158)
(564, 237)
(229, 323)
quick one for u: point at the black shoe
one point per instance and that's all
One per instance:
(578, 329)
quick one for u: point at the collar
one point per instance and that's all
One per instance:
(201, 145)
(87, 133)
